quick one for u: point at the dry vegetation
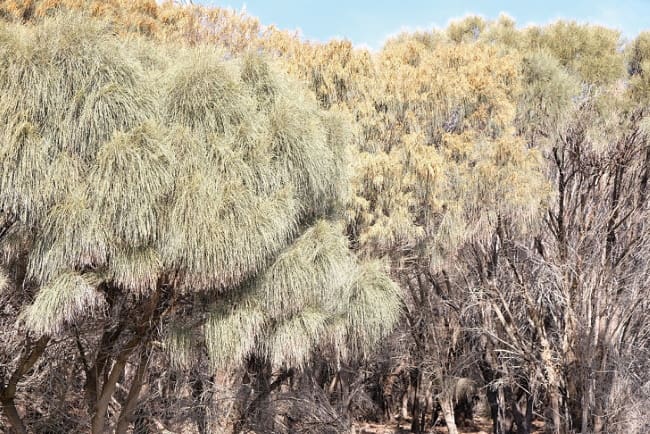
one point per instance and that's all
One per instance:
(210, 225)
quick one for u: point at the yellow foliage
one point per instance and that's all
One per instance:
(449, 124)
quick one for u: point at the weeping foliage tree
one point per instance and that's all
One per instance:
(168, 199)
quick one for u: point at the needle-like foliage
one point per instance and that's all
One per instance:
(177, 175)
(314, 293)
(67, 298)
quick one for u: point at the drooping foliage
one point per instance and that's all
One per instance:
(133, 186)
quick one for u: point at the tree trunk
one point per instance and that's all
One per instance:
(404, 412)
(599, 424)
(8, 392)
(148, 320)
(198, 390)
(587, 401)
(447, 405)
(492, 397)
(524, 414)
(505, 416)
(10, 411)
(415, 420)
(556, 414)
(101, 407)
(131, 403)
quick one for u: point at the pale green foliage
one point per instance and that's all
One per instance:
(64, 300)
(69, 67)
(218, 247)
(371, 313)
(71, 236)
(292, 339)
(23, 161)
(639, 67)
(274, 160)
(644, 126)
(131, 177)
(638, 52)
(136, 269)
(315, 271)
(133, 169)
(314, 292)
(466, 30)
(206, 93)
(179, 345)
(592, 52)
(231, 333)
(503, 31)
(548, 92)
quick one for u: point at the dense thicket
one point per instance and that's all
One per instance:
(502, 172)
(165, 203)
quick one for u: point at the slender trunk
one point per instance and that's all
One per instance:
(559, 218)
(98, 370)
(263, 389)
(334, 383)
(101, 407)
(587, 401)
(553, 383)
(149, 318)
(8, 392)
(415, 421)
(128, 409)
(556, 414)
(524, 416)
(423, 417)
(505, 416)
(447, 406)
(11, 413)
(529, 414)
(200, 401)
(110, 384)
(599, 424)
(405, 403)
(493, 402)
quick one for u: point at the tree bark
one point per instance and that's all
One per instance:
(149, 318)
(104, 399)
(587, 401)
(11, 412)
(556, 414)
(131, 403)
(8, 391)
(504, 416)
(415, 420)
(447, 406)
(523, 414)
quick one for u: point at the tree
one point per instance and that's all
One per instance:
(440, 168)
(559, 301)
(184, 199)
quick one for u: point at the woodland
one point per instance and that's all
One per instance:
(212, 225)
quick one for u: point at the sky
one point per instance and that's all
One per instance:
(369, 23)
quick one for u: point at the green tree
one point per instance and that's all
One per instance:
(166, 194)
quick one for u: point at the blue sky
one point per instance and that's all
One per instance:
(367, 22)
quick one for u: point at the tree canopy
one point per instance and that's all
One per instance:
(185, 191)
